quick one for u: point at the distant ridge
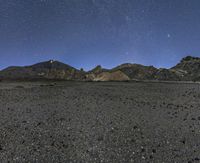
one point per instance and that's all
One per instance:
(188, 69)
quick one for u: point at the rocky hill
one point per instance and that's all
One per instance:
(111, 76)
(133, 72)
(98, 69)
(187, 70)
(137, 71)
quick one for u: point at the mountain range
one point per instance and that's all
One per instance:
(188, 69)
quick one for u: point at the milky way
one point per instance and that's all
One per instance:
(84, 33)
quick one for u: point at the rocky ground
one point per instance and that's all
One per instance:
(87, 122)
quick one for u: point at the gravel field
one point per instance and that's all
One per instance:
(102, 122)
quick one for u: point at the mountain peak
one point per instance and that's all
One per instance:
(97, 69)
(51, 64)
(189, 58)
(51, 61)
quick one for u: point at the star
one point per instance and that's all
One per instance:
(168, 35)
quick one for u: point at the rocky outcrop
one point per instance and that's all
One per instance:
(189, 68)
(137, 71)
(166, 75)
(112, 76)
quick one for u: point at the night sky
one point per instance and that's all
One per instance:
(85, 33)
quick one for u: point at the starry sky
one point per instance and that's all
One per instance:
(85, 33)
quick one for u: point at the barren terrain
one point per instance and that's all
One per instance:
(88, 122)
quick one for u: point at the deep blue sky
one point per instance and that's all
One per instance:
(85, 33)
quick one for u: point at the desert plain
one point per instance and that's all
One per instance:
(99, 122)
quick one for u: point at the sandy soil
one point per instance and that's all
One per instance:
(99, 122)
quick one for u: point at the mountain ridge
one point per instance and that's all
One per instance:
(188, 69)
